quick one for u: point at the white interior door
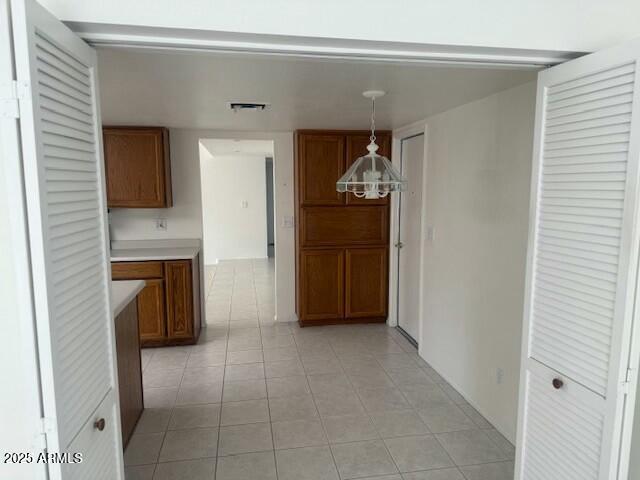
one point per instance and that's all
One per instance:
(66, 215)
(408, 242)
(582, 266)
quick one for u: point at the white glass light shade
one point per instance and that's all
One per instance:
(371, 176)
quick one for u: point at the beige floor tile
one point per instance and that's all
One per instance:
(349, 428)
(292, 408)
(249, 371)
(363, 459)
(143, 449)
(311, 463)
(288, 386)
(252, 437)
(195, 416)
(298, 433)
(189, 444)
(418, 453)
(248, 411)
(442, 418)
(201, 469)
(244, 390)
(489, 471)
(199, 394)
(254, 466)
(470, 447)
(398, 423)
(153, 420)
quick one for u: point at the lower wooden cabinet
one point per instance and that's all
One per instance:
(169, 305)
(151, 312)
(342, 285)
(179, 285)
(322, 291)
(129, 370)
(366, 283)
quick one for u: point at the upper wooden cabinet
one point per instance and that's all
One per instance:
(321, 163)
(137, 167)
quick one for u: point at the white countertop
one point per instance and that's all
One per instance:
(156, 253)
(122, 292)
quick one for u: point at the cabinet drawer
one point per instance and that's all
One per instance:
(100, 456)
(344, 226)
(136, 270)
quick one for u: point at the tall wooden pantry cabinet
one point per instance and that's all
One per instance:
(342, 242)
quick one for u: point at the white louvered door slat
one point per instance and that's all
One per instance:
(582, 266)
(64, 184)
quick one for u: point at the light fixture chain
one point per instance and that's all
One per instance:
(373, 119)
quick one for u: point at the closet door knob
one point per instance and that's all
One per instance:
(100, 424)
(557, 383)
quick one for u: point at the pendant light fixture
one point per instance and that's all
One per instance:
(371, 176)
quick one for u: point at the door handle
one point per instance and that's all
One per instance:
(399, 245)
(100, 424)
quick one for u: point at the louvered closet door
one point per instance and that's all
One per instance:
(583, 254)
(64, 184)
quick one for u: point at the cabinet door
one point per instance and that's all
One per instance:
(151, 313)
(137, 167)
(322, 284)
(66, 218)
(320, 165)
(356, 148)
(179, 299)
(366, 283)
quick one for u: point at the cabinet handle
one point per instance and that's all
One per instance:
(557, 383)
(100, 424)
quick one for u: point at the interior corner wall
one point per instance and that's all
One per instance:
(184, 219)
(634, 467)
(234, 206)
(478, 169)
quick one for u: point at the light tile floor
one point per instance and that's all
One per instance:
(257, 400)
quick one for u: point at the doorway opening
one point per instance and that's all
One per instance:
(409, 231)
(237, 189)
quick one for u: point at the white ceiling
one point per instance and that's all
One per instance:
(219, 146)
(192, 90)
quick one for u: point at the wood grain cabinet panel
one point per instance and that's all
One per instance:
(366, 283)
(357, 225)
(356, 148)
(321, 283)
(321, 163)
(136, 270)
(169, 306)
(129, 369)
(137, 167)
(341, 241)
(179, 286)
(151, 313)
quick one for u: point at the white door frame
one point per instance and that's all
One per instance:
(399, 135)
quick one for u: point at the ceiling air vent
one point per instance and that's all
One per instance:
(247, 106)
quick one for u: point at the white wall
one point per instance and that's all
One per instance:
(634, 468)
(571, 25)
(184, 219)
(231, 230)
(477, 199)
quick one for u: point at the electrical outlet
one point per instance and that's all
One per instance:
(499, 375)
(245, 204)
(431, 233)
(161, 224)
